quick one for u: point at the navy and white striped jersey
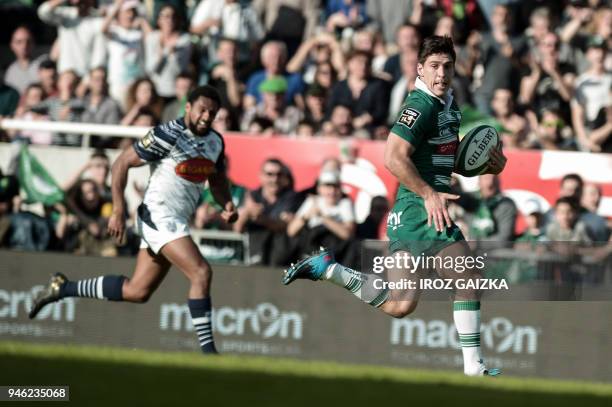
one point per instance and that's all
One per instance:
(180, 163)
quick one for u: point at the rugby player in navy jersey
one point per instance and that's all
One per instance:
(182, 154)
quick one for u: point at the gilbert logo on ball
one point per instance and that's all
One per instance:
(473, 152)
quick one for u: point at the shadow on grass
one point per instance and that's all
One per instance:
(99, 383)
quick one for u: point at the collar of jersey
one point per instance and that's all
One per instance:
(448, 97)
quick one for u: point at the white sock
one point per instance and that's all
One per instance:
(360, 284)
(467, 321)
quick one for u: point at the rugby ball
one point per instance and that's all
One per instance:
(473, 153)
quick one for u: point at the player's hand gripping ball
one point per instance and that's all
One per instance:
(480, 152)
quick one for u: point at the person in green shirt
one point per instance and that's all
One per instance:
(420, 153)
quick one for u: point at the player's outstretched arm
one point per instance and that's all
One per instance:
(126, 160)
(220, 189)
(399, 163)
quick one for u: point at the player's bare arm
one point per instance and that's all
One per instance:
(121, 166)
(399, 163)
(220, 189)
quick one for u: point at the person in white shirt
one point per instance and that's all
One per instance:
(80, 34)
(24, 71)
(167, 51)
(125, 31)
(326, 219)
(592, 102)
(215, 19)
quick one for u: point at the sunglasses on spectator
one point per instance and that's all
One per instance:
(552, 123)
(272, 173)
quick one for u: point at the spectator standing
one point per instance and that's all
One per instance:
(24, 70)
(386, 16)
(231, 19)
(592, 102)
(80, 36)
(167, 51)
(320, 49)
(549, 84)
(125, 32)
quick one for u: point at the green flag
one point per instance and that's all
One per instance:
(38, 185)
(471, 117)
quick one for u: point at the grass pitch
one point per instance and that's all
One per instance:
(117, 377)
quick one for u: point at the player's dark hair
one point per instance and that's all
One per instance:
(572, 202)
(206, 91)
(437, 44)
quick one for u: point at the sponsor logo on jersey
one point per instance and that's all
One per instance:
(447, 149)
(147, 140)
(408, 117)
(195, 169)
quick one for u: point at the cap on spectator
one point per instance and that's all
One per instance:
(128, 4)
(532, 206)
(595, 41)
(316, 90)
(274, 84)
(329, 178)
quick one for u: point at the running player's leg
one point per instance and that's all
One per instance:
(368, 287)
(184, 254)
(466, 312)
(149, 272)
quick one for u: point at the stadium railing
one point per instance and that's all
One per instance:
(86, 130)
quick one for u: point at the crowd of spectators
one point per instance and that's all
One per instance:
(315, 68)
(307, 69)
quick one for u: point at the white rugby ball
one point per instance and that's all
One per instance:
(473, 153)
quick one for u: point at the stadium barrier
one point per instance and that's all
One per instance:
(255, 314)
(222, 246)
(529, 175)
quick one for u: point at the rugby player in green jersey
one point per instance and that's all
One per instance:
(420, 153)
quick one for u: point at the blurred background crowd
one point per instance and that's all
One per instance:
(539, 70)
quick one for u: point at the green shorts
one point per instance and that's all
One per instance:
(407, 229)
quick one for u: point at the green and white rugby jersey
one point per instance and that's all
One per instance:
(431, 125)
